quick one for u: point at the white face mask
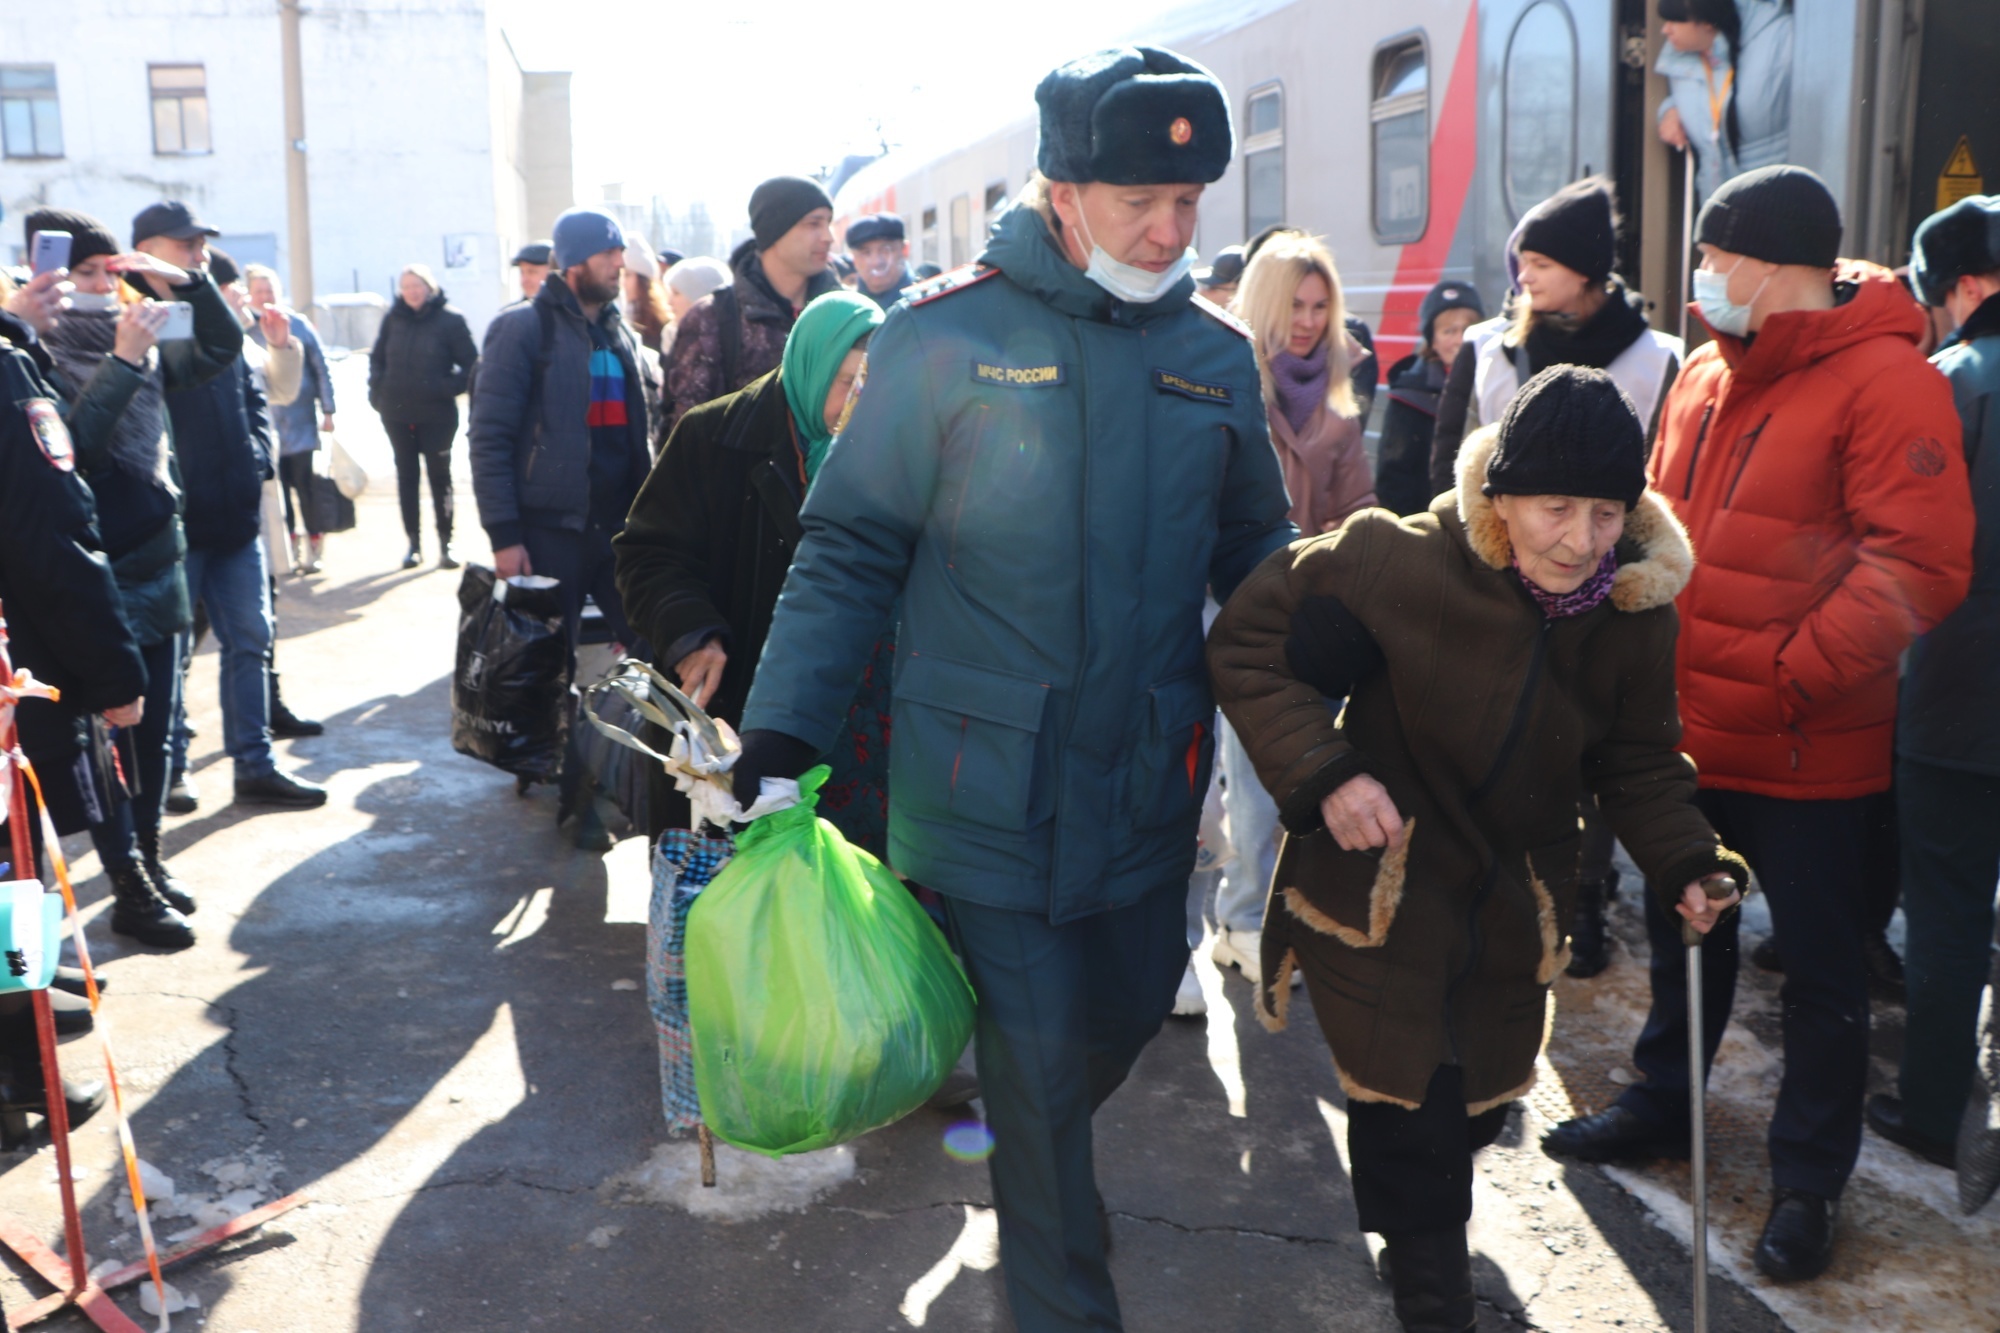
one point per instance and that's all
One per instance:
(1128, 282)
(1711, 295)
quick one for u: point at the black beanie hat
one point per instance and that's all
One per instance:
(1451, 294)
(221, 267)
(1695, 11)
(88, 237)
(1960, 241)
(1781, 215)
(1570, 431)
(1133, 115)
(777, 205)
(1576, 227)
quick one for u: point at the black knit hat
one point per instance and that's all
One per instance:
(222, 267)
(1570, 431)
(1133, 115)
(1781, 215)
(777, 205)
(1959, 241)
(1576, 226)
(1451, 294)
(88, 237)
(1694, 11)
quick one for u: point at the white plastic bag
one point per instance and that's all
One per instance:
(347, 475)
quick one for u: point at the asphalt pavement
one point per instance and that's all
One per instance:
(425, 1011)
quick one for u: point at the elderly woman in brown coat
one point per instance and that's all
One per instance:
(1500, 655)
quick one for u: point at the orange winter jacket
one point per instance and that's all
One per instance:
(1819, 472)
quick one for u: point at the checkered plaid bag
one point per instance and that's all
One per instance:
(683, 864)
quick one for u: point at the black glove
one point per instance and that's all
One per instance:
(768, 754)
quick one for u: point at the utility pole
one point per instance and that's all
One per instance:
(298, 199)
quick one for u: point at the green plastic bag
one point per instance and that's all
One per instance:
(824, 1002)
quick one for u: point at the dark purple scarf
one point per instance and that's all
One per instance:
(1556, 605)
(1301, 382)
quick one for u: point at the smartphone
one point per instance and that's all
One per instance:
(51, 251)
(180, 322)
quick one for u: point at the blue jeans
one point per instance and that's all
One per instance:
(235, 586)
(1253, 835)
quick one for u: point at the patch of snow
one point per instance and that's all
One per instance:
(177, 1300)
(747, 1184)
(600, 1237)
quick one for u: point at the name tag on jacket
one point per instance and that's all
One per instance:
(1168, 382)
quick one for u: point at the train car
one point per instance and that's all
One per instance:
(1413, 136)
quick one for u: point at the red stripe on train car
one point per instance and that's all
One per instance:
(1454, 154)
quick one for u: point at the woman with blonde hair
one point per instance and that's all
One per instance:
(1291, 299)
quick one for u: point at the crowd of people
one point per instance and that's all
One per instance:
(996, 544)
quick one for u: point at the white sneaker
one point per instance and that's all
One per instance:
(1188, 1000)
(1244, 951)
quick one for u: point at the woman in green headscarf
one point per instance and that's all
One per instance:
(707, 545)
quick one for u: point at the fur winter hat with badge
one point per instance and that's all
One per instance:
(1133, 115)
(1960, 241)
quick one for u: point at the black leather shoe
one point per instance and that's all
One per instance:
(446, 559)
(1885, 1117)
(1614, 1134)
(280, 789)
(27, 1093)
(70, 980)
(1589, 943)
(1797, 1243)
(71, 1012)
(182, 798)
(289, 726)
(1430, 1273)
(1885, 969)
(138, 910)
(1765, 955)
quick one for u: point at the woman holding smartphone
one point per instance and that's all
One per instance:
(113, 371)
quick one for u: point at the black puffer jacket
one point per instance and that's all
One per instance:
(422, 361)
(56, 588)
(1402, 469)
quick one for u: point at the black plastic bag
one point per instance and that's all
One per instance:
(328, 509)
(510, 693)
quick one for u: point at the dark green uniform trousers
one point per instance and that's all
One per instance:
(1951, 861)
(1064, 1010)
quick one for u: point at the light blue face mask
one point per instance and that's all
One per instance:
(1129, 282)
(1711, 296)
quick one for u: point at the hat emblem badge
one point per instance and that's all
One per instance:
(1181, 130)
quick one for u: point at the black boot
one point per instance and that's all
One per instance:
(1431, 1275)
(70, 979)
(1885, 969)
(175, 892)
(22, 1088)
(138, 910)
(1797, 1243)
(287, 725)
(1589, 945)
(416, 555)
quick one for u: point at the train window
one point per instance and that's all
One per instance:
(1264, 161)
(996, 204)
(1538, 137)
(927, 237)
(1400, 116)
(961, 231)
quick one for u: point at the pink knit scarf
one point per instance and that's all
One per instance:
(1556, 605)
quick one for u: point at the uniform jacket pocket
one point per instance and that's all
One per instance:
(963, 741)
(1170, 765)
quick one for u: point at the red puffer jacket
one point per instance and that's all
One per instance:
(1819, 471)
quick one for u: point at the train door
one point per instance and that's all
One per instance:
(1549, 76)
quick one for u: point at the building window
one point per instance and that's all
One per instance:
(1538, 139)
(30, 117)
(1401, 137)
(180, 108)
(928, 238)
(996, 204)
(1264, 161)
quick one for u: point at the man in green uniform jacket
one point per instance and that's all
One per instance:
(1058, 452)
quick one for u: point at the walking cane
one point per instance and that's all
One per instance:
(1718, 888)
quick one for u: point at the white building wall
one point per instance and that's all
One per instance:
(412, 132)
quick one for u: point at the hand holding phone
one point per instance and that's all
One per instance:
(51, 251)
(180, 322)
